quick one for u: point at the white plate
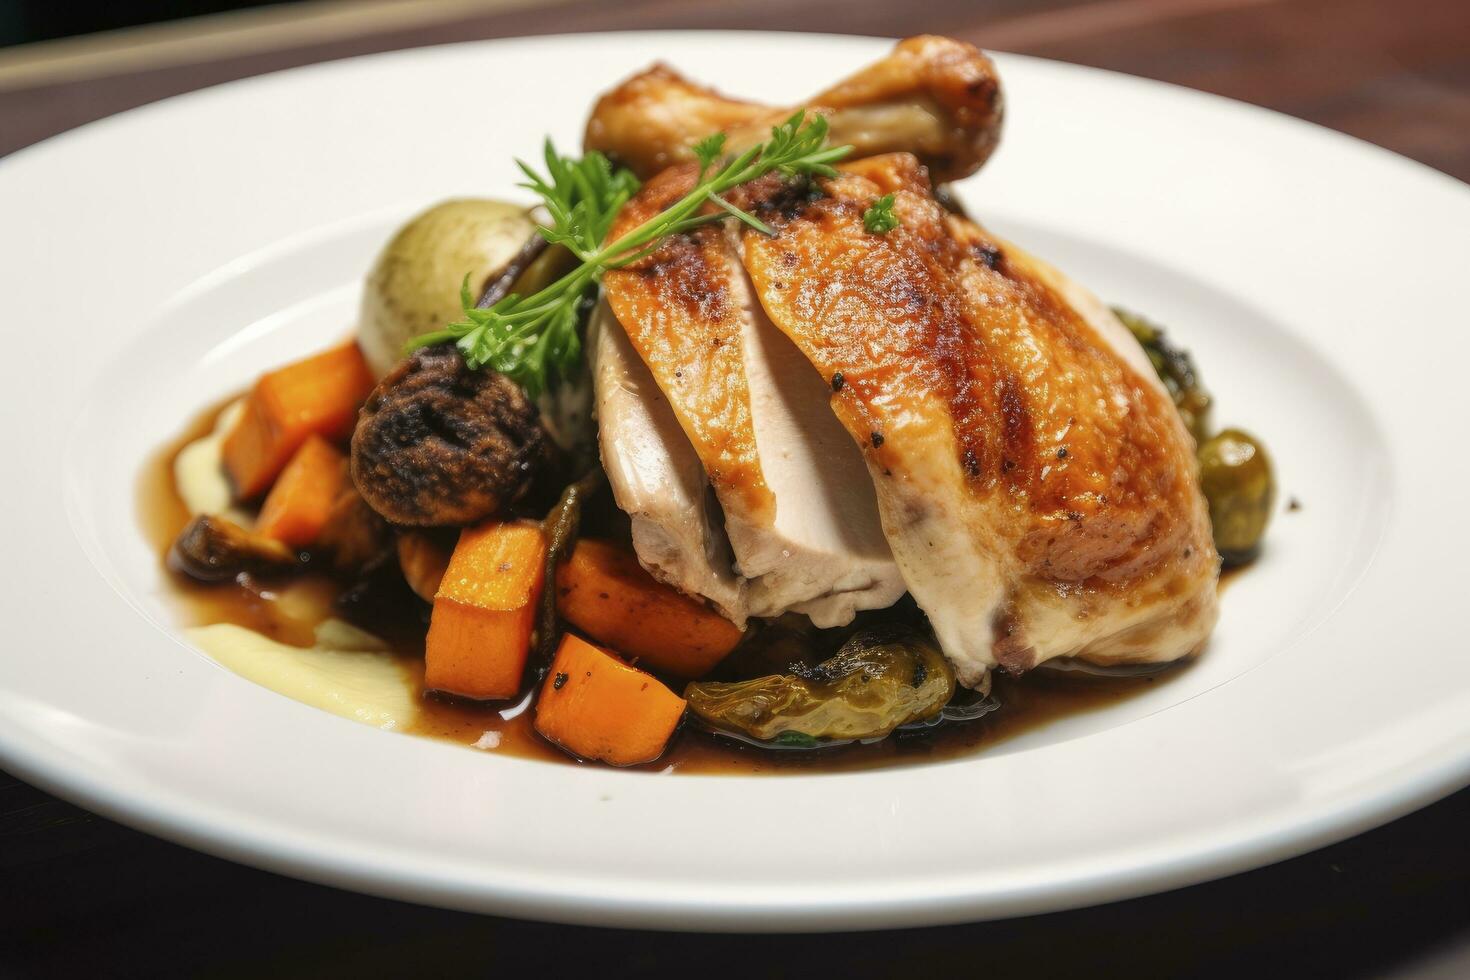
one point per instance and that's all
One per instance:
(157, 259)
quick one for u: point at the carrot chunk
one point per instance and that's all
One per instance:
(595, 706)
(485, 610)
(603, 591)
(317, 396)
(298, 505)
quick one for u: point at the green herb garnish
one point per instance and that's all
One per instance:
(583, 197)
(708, 150)
(534, 339)
(879, 219)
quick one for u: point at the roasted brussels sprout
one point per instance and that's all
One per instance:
(1235, 471)
(1176, 369)
(414, 285)
(1237, 480)
(771, 646)
(881, 678)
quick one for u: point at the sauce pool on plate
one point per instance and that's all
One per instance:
(375, 674)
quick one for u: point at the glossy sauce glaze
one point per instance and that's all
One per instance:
(289, 612)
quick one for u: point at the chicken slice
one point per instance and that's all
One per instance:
(656, 478)
(933, 96)
(800, 513)
(826, 541)
(1037, 487)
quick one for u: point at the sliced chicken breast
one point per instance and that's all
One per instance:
(1037, 487)
(655, 475)
(800, 513)
(826, 541)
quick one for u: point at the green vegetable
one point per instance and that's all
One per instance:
(708, 150)
(562, 525)
(1176, 369)
(1238, 483)
(1235, 471)
(534, 339)
(881, 678)
(583, 197)
(879, 219)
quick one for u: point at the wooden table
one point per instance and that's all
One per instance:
(84, 896)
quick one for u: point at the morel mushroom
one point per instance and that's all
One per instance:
(439, 445)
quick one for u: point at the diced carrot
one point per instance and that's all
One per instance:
(317, 396)
(595, 706)
(603, 591)
(302, 497)
(485, 610)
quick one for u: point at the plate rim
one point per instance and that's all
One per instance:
(30, 762)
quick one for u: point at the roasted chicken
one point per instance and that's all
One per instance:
(1038, 488)
(656, 477)
(935, 97)
(799, 514)
(929, 410)
(831, 409)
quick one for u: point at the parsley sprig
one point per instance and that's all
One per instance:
(534, 340)
(879, 219)
(582, 196)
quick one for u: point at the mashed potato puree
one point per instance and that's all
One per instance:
(347, 672)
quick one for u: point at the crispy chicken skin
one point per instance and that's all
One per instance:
(1039, 491)
(679, 309)
(799, 511)
(932, 96)
(655, 475)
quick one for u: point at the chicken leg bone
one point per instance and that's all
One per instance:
(935, 97)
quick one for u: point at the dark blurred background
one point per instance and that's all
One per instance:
(22, 21)
(1395, 72)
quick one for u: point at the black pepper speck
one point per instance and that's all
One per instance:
(988, 255)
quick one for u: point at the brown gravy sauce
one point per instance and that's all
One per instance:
(289, 613)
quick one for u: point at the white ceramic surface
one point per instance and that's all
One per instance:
(157, 259)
